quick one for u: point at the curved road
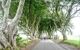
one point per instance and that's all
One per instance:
(47, 45)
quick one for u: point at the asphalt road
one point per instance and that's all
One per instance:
(47, 45)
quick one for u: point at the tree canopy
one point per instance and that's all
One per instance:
(36, 17)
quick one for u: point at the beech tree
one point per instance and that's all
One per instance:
(9, 26)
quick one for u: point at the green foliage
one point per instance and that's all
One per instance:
(22, 42)
(37, 17)
(46, 24)
(13, 8)
(32, 11)
(18, 40)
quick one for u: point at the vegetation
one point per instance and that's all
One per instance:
(34, 17)
(22, 42)
(75, 43)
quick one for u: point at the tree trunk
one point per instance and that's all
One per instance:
(9, 28)
(5, 5)
(64, 36)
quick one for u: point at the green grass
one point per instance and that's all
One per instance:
(73, 42)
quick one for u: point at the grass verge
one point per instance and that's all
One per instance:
(75, 43)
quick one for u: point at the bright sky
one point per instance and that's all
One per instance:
(76, 26)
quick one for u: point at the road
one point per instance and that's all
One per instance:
(47, 45)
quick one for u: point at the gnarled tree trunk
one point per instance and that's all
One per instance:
(9, 28)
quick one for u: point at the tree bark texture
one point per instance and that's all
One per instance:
(9, 28)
